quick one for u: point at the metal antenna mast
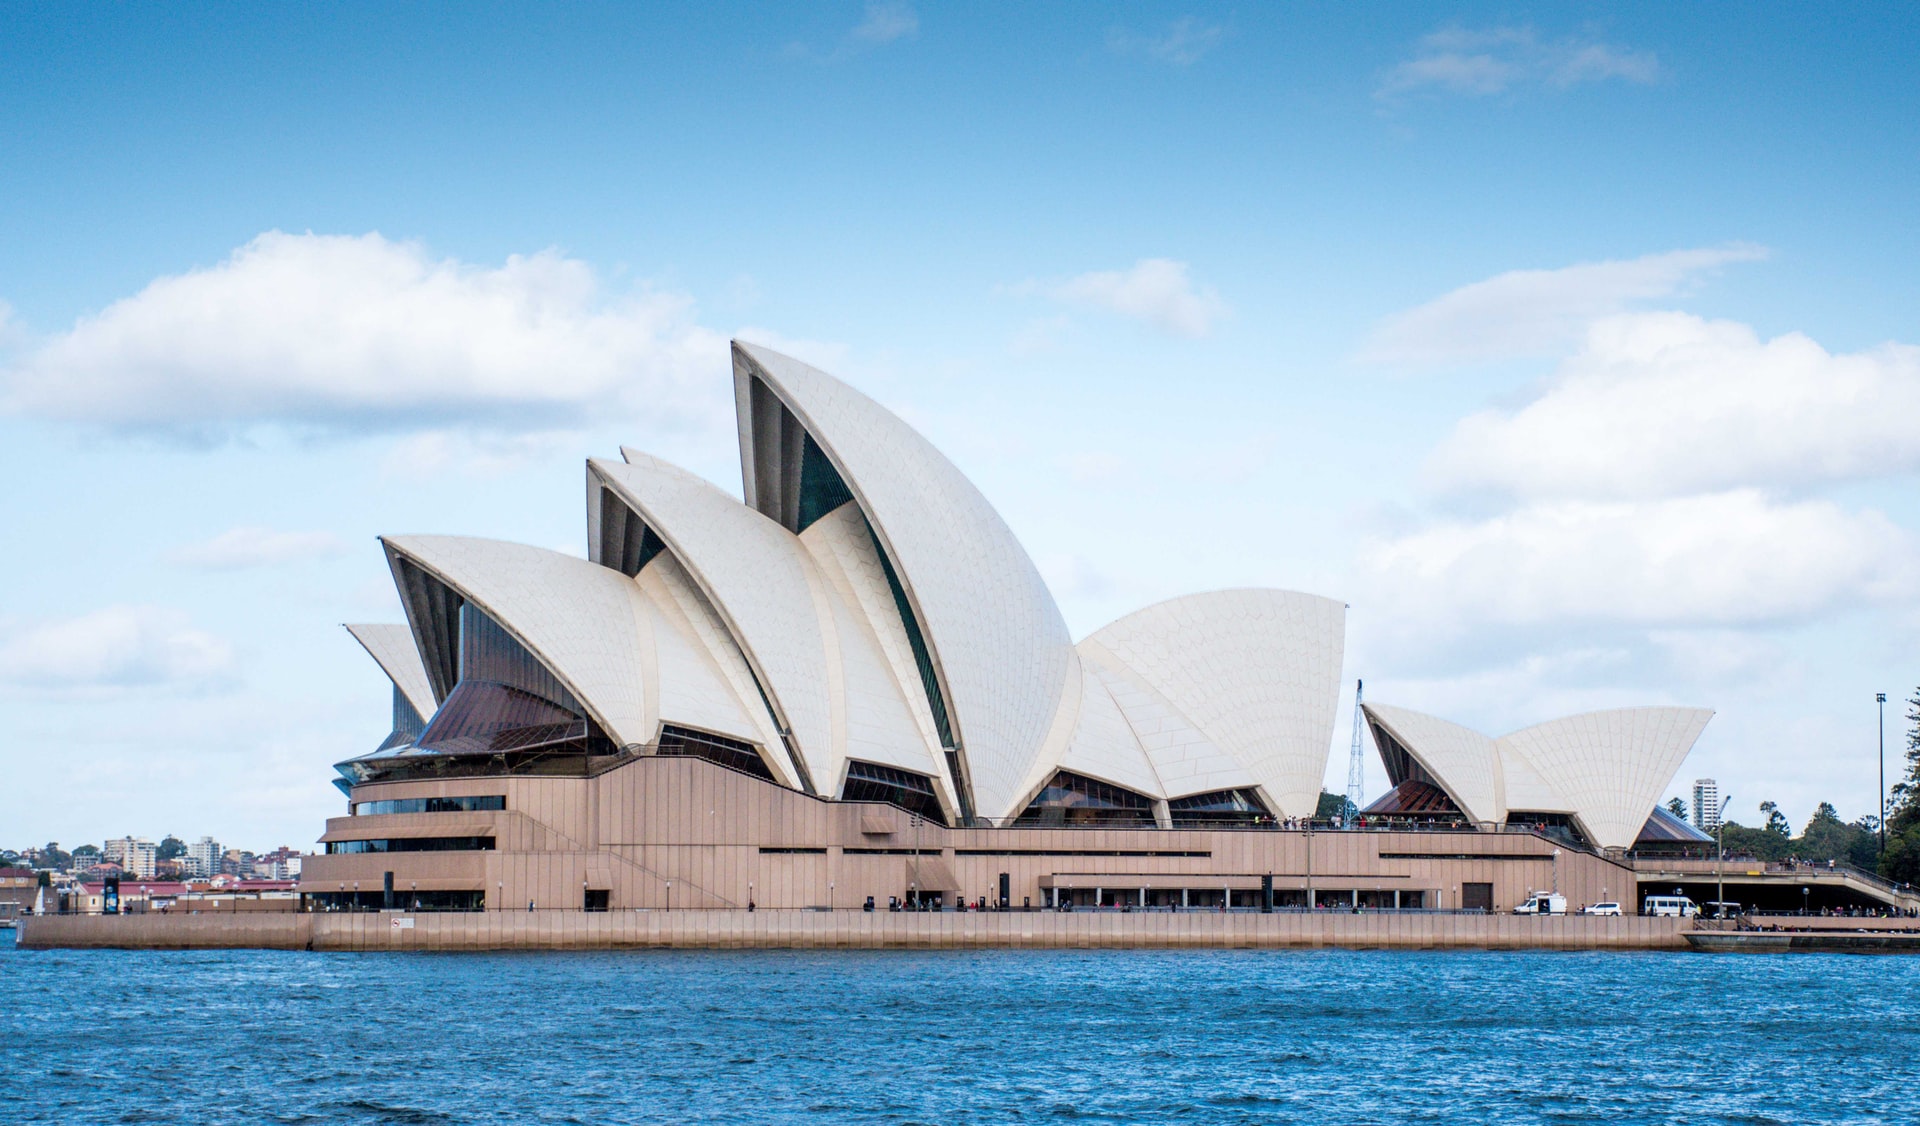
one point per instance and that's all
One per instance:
(1357, 763)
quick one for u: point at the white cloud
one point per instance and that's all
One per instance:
(1661, 404)
(1538, 312)
(1185, 41)
(255, 547)
(118, 647)
(1155, 291)
(1722, 559)
(353, 333)
(886, 22)
(1496, 60)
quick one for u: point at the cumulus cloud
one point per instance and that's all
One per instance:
(1662, 404)
(1182, 43)
(1496, 60)
(1156, 291)
(337, 333)
(1524, 313)
(1722, 559)
(239, 548)
(118, 647)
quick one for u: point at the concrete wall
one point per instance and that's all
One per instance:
(563, 930)
(722, 838)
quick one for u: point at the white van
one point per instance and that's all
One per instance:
(1670, 905)
(1543, 903)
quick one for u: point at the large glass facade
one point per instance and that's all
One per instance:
(466, 804)
(1221, 809)
(1557, 826)
(412, 844)
(867, 781)
(730, 753)
(1069, 799)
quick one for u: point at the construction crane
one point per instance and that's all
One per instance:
(1356, 765)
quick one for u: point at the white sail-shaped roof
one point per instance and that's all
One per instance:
(759, 579)
(1256, 671)
(998, 645)
(1610, 766)
(1605, 769)
(1459, 760)
(391, 645)
(581, 620)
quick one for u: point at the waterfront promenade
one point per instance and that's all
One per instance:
(853, 930)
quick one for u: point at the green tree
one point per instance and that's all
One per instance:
(1332, 806)
(1901, 860)
(1745, 840)
(1677, 807)
(1776, 821)
(54, 857)
(171, 848)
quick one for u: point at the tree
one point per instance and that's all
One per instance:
(1901, 860)
(1776, 821)
(1744, 840)
(1332, 806)
(171, 848)
(1677, 807)
(53, 857)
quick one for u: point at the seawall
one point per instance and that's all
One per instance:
(850, 930)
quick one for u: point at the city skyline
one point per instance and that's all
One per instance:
(1575, 356)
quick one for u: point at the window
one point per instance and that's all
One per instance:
(596, 899)
(472, 804)
(912, 792)
(412, 844)
(507, 700)
(730, 753)
(1070, 799)
(406, 901)
(1220, 809)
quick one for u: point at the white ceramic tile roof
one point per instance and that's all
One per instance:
(1183, 760)
(997, 639)
(579, 618)
(1606, 768)
(1463, 761)
(1256, 671)
(701, 676)
(1611, 766)
(764, 585)
(393, 647)
(1104, 745)
(883, 709)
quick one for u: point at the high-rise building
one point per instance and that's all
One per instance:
(137, 856)
(1706, 805)
(203, 857)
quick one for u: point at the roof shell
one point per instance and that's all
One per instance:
(392, 646)
(1611, 766)
(579, 618)
(998, 643)
(1256, 671)
(1460, 760)
(760, 580)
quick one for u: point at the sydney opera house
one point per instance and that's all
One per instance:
(855, 687)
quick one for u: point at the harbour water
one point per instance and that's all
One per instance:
(957, 1037)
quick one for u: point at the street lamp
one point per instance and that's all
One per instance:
(669, 895)
(1881, 699)
(1806, 905)
(1720, 863)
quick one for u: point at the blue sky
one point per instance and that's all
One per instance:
(1573, 347)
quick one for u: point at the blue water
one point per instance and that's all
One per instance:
(1071, 1036)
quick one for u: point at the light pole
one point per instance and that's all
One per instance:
(669, 895)
(1881, 699)
(1720, 862)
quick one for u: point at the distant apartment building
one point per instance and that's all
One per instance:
(1706, 805)
(203, 857)
(136, 856)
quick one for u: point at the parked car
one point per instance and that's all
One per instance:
(1601, 909)
(1543, 903)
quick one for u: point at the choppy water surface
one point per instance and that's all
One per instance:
(678, 1037)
